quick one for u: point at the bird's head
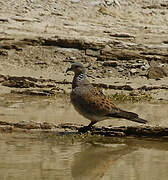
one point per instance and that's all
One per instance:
(77, 68)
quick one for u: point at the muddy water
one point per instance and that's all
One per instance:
(24, 158)
(39, 156)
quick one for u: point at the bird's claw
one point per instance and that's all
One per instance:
(84, 129)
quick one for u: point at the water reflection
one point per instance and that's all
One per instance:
(94, 161)
(30, 157)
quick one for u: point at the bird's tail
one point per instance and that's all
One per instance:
(131, 116)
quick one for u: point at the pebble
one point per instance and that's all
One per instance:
(110, 63)
(145, 67)
(137, 65)
(72, 58)
(75, 1)
(112, 2)
(95, 3)
(120, 69)
(133, 71)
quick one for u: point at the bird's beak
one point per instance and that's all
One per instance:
(69, 69)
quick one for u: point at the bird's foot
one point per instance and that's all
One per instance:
(84, 129)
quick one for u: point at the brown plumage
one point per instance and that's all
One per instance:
(92, 103)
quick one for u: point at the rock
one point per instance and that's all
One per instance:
(75, 1)
(106, 49)
(133, 71)
(122, 35)
(110, 63)
(136, 65)
(106, 58)
(112, 2)
(3, 53)
(98, 76)
(157, 72)
(103, 10)
(72, 58)
(95, 3)
(154, 63)
(120, 69)
(145, 67)
(6, 128)
(4, 19)
(93, 53)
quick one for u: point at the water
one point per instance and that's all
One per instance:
(34, 156)
(24, 157)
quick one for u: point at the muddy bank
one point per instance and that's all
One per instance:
(45, 87)
(74, 129)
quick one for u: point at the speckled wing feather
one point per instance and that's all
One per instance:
(93, 101)
(98, 101)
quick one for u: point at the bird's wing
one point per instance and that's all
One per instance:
(98, 102)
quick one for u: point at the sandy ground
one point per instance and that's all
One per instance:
(41, 38)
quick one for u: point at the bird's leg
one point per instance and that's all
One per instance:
(86, 128)
(91, 124)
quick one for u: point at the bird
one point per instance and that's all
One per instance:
(91, 103)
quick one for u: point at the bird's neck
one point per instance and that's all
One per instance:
(78, 80)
